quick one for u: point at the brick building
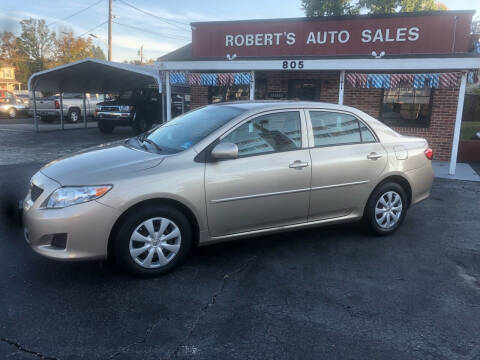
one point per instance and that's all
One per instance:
(408, 70)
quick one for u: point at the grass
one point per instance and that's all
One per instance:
(469, 129)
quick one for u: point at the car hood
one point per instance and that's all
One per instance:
(100, 165)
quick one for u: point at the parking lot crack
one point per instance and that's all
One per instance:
(22, 349)
(213, 300)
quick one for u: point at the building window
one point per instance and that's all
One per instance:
(308, 90)
(407, 107)
(218, 94)
(7, 73)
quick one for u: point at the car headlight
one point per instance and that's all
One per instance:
(71, 195)
(125, 108)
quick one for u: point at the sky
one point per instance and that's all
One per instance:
(159, 35)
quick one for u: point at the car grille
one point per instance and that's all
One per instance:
(110, 108)
(35, 192)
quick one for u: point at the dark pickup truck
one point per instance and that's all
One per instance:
(139, 109)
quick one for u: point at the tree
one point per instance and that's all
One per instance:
(417, 5)
(441, 6)
(8, 48)
(379, 6)
(345, 7)
(97, 53)
(36, 42)
(69, 48)
(328, 7)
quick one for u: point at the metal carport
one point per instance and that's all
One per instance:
(93, 76)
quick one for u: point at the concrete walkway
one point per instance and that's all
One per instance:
(463, 171)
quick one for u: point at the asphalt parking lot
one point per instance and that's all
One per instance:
(332, 292)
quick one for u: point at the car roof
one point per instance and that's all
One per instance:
(259, 105)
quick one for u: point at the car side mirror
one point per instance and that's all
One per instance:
(225, 150)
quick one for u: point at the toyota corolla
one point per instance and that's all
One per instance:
(224, 172)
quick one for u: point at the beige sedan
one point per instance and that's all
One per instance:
(224, 172)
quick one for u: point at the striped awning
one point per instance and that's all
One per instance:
(391, 81)
(209, 79)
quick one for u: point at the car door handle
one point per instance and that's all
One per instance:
(297, 164)
(374, 156)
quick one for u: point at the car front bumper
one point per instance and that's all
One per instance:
(116, 118)
(77, 232)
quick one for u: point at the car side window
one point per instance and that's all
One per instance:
(367, 136)
(331, 128)
(275, 132)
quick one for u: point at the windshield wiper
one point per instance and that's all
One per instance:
(151, 142)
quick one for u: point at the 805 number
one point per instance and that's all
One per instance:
(292, 64)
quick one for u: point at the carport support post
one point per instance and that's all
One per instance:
(84, 110)
(35, 120)
(169, 96)
(252, 85)
(458, 124)
(61, 110)
(163, 107)
(341, 87)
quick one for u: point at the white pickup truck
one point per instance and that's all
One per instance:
(48, 108)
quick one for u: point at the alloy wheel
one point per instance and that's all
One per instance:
(74, 117)
(155, 242)
(388, 209)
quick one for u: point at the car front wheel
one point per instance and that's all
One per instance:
(152, 240)
(386, 208)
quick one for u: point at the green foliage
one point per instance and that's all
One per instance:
(417, 5)
(328, 7)
(348, 7)
(379, 6)
(36, 42)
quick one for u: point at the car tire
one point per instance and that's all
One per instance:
(142, 252)
(105, 127)
(12, 113)
(141, 125)
(386, 208)
(73, 116)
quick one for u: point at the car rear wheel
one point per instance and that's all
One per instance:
(105, 127)
(152, 240)
(73, 115)
(386, 208)
(12, 113)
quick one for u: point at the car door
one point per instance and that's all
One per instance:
(268, 184)
(346, 160)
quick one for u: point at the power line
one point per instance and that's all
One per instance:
(76, 13)
(90, 30)
(168, 21)
(152, 32)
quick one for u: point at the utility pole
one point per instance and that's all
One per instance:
(109, 30)
(141, 54)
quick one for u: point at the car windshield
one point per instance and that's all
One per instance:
(188, 129)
